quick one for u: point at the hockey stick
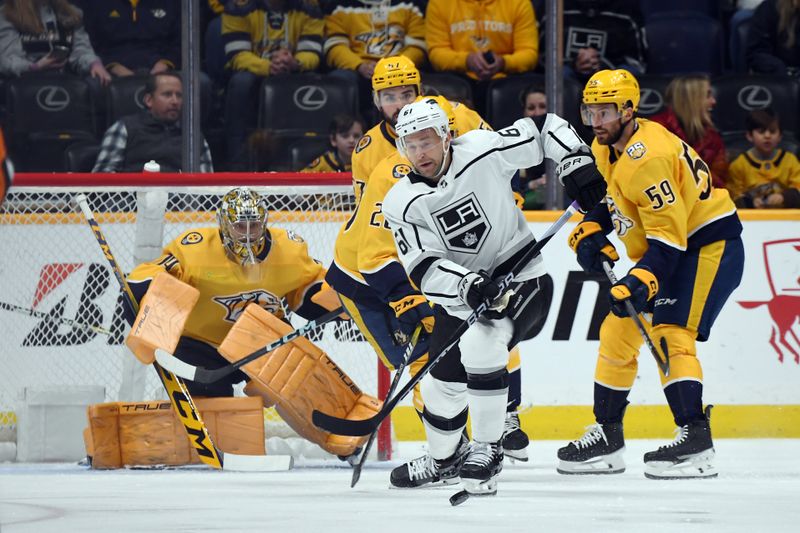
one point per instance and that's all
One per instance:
(662, 364)
(341, 426)
(178, 394)
(200, 374)
(397, 375)
(61, 320)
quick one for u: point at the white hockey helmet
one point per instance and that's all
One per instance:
(418, 116)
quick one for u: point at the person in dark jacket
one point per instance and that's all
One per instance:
(153, 135)
(135, 35)
(773, 42)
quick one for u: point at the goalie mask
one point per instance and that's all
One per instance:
(415, 118)
(242, 218)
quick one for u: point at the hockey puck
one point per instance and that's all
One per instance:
(459, 497)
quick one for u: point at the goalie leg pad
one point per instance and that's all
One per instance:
(162, 314)
(298, 378)
(149, 433)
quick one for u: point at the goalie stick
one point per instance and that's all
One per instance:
(397, 375)
(59, 320)
(341, 426)
(662, 364)
(200, 374)
(178, 394)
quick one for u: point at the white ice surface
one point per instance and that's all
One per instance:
(758, 490)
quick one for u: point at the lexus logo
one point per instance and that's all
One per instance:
(52, 98)
(310, 97)
(650, 102)
(138, 97)
(754, 97)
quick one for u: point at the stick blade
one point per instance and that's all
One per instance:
(342, 426)
(256, 463)
(175, 365)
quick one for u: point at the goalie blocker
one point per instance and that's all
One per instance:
(297, 378)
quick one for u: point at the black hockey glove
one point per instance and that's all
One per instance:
(639, 287)
(592, 247)
(411, 311)
(476, 289)
(581, 179)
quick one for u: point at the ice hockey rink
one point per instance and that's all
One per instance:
(757, 490)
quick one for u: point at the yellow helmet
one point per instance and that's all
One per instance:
(395, 71)
(612, 87)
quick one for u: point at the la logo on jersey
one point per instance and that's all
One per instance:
(235, 303)
(463, 225)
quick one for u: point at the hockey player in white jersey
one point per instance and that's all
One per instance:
(457, 230)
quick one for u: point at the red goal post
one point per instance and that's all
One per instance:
(55, 278)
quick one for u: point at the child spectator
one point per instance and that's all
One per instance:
(690, 100)
(344, 133)
(533, 180)
(765, 176)
(46, 35)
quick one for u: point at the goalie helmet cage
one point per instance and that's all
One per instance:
(51, 263)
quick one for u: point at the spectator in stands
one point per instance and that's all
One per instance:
(773, 42)
(765, 176)
(6, 170)
(482, 39)
(46, 35)
(154, 134)
(344, 133)
(264, 38)
(690, 100)
(533, 180)
(135, 37)
(360, 32)
(602, 34)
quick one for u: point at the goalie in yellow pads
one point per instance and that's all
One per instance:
(244, 270)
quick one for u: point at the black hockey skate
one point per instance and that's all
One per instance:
(480, 470)
(426, 471)
(599, 451)
(515, 441)
(690, 455)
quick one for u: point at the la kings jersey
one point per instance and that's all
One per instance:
(468, 221)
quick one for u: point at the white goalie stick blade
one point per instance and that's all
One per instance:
(175, 365)
(256, 463)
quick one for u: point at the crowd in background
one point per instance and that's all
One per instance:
(477, 41)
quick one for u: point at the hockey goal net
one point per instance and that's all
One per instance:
(55, 280)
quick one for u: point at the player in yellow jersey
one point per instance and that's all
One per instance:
(240, 262)
(684, 237)
(6, 170)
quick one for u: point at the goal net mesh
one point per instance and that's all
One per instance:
(61, 308)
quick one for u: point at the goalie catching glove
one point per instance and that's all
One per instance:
(581, 179)
(477, 288)
(639, 287)
(412, 310)
(592, 247)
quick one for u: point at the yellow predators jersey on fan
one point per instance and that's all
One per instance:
(198, 258)
(358, 31)
(659, 189)
(328, 162)
(377, 248)
(748, 171)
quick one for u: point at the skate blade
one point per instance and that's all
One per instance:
(612, 463)
(433, 485)
(460, 497)
(517, 455)
(699, 466)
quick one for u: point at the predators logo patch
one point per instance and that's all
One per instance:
(636, 150)
(363, 143)
(192, 238)
(234, 304)
(400, 170)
